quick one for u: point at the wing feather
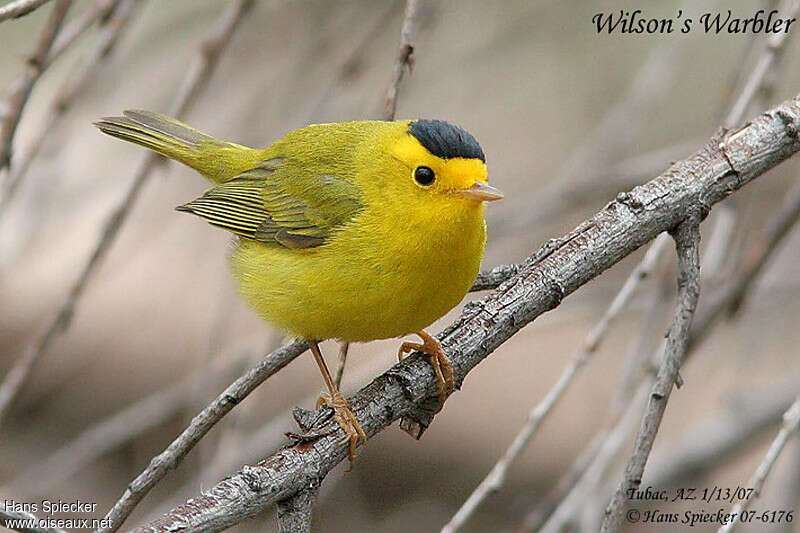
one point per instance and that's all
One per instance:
(275, 207)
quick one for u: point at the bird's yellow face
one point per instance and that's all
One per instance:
(440, 158)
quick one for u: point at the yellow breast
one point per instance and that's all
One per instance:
(382, 276)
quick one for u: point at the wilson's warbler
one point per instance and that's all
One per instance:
(352, 231)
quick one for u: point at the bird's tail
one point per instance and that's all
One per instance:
(218, 161)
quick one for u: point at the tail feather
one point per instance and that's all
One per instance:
(217, 160)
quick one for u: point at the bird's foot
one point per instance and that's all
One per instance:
(438, 360)
(346, 419)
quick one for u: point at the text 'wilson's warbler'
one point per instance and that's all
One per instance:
(353, 231)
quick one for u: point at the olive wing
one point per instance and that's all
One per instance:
(274, 205)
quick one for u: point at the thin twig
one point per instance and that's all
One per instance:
(265, 438)
(720, 238)
(405, 57)
(791, 421)
(114, 431)
(33, 70)
(612, 440)
(199, 426)
(348, 70)
(774, 48)
(496, 477)
(545, 507)
(98, 10)
(555, 271)
(19, 8)
(729, 298)
(294, 514)
(343, 349)
(23, 521)
(708, 443)
(494, 277)
(701, 327)
(687, 241)
(198, 74)
(112, 31)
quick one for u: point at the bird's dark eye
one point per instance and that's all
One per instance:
(424, 176)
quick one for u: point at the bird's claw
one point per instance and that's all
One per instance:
(437, 359)
(346, 419)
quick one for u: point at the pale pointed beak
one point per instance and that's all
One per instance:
(481, 192)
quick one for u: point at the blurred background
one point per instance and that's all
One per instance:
(567, 117)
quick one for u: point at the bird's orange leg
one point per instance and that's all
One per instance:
(334, 399)
(438, 360)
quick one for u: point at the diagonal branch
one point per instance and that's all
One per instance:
(20, 8)
(728, 162)
(687, 243)
(791, 422)
(199, 426)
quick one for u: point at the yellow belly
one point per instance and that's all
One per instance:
(372, 281)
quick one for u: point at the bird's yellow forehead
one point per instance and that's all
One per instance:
(451, 174)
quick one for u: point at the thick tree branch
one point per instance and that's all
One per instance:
(728, 162)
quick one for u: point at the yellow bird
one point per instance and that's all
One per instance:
(352, 231)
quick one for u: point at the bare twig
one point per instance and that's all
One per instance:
(774, 48)
(687, 241)
(791, 421)
(554, 272)
(352, 65)
(112, 30)
(33, 69)
(712, 441)
(112, 432)
(23, 521)
(343, 348)
(294, 514)
(19, 8)
(200, 425)
(729, 297)
(496, 476)
(198, 74)
(536, 517)
(98, 10)
(494, 277)
(573, 503)
(405, 57)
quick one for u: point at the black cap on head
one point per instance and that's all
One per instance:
(445, 140)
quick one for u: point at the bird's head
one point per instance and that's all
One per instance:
(445, 160)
